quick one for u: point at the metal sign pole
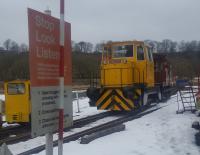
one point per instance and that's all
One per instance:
(61, 105)
(49, 143)
(49, 136)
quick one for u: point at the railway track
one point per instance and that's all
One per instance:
(12, 130)
(117, 121)
(21, 133)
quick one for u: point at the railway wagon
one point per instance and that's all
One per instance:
(163, 75)
(130, 76)
(17, 101)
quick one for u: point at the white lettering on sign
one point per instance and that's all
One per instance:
(44, 73)
(41, 22)
(43, 38)
(47, 71)
(47, 53)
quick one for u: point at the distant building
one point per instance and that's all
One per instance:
(1, 49)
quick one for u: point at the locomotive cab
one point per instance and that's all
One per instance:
(127, 63)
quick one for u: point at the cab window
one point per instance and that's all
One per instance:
(123, 51)
(140, 53)
(16, 88)
(150, 50)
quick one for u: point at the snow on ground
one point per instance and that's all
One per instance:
(161, 132)
(27, 145)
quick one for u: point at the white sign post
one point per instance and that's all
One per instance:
(61, 79)
(49, 143)
(44, 59)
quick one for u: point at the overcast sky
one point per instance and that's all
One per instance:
(99, 20)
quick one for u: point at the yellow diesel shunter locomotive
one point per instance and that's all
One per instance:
(17, 101)
(127, 77)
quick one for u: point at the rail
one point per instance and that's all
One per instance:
(23, 134)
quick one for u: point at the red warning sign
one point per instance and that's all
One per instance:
(44, 56)
(44, 60)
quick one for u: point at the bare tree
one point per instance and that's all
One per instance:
(99, 47)
(167, 46)
(198, 46)
(77, 47)
(182, 46)
(14, 46)
(7, 44)
(88, 47)
(73, 45)
(23, 48)
(84, 47)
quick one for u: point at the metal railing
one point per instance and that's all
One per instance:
(94, 79)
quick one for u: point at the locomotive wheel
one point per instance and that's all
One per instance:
(93, 95)
(92, 103)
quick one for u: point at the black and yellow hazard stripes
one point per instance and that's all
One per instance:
(137, 99)
(113, 99)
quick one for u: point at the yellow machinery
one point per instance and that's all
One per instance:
(17, 101)
(127, 77)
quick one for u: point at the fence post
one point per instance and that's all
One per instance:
(77, 97)
(199, 83)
